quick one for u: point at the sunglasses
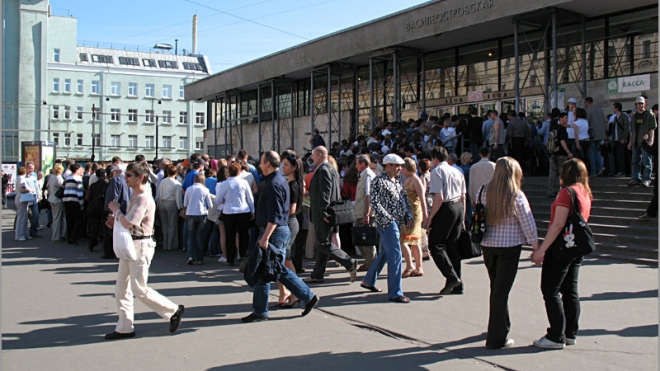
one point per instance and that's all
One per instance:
(128, 175)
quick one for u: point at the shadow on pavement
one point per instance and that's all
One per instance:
(621, 295)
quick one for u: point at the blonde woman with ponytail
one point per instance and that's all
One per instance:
(509, 224)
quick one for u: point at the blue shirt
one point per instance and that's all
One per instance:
(118, 190)
(485, 129)
(211, 183)
(190, 179)
(273, 202)
(255, 173)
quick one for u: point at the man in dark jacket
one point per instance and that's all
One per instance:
(117, 191)
(323, 190)
(95, 198)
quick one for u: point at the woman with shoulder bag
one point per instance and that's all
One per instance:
(133, 275)
(510, 224)
(561, 276)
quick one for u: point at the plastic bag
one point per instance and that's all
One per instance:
(122, 242)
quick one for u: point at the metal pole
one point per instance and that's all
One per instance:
(356, 102)
(93, 133)
(156, 136)
(215, 126)
(239, 115)
(339, 97)
(555, 86)
(396, 87)
(423, 77)
(278, 106)
(517, 66)
(328, 102)
(371, 93)
(584, 59)
(311, 102)
(261, 149)
(293, 113)
(272, 113)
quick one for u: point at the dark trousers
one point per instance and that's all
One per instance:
(560, 277)
(619, 157)
(324, 250)
(495, 154)
(94, 226)
(584, 154)
(443, 240)
(74, 221)
(108, 252)
(298, 249)
(236, 223)
(502, 266)
(519, 152)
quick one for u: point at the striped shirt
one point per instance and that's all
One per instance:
(389, 201)
(516, 229)
(73, 190)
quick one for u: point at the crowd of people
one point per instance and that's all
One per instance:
(406, 180)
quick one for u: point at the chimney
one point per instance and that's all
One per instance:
(194, 35)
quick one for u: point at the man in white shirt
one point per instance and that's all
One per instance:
(197, 202)
(480, 173)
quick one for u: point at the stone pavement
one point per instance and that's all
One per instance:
(57, 302)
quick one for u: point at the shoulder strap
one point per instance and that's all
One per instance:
(481, 190)
(576, 203)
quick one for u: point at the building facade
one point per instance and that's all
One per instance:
(93, 102)
(441, 56)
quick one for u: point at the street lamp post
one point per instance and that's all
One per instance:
(152, 109)
(93, 132)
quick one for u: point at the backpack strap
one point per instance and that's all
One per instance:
(481, 190)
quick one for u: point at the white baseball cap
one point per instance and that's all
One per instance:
(572, 100)
(640, 100)
(393, 159)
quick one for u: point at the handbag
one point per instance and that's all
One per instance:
(60, 192)
(467, 247)
(576, 238)
(478, 227)
(29, 197)
(122, 242)
(365, 236)
(340, 212)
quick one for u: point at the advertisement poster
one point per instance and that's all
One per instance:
(10, 170)
(31, 153)
(47, 158)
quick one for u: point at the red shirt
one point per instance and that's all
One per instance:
(564, 199)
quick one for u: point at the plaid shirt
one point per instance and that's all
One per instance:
(389, 201)
(516, 230)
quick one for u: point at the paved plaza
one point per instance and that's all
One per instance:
(57, 303)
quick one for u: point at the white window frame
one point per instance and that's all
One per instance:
(80, 88)
(67, 86)
(56, 85)
(149, 90)
(96, 138)
(149, 141)
(167, 117)
(56, 55)
(67, 112)
(79, 139)
(182, 92)
(67, 139)
(132, 141)
(149, 116)
(56, 138)
(115, 88)
(79, 113)
(96, 87)
(115, 141)
(199, 118)
(167, 142)
(183, 117)
(115, 114)
(56, 112)
(132, 89)
(132, 115)
(183, 143)
(167, 91)
(199, 145)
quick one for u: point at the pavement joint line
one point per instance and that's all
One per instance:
(401, 337)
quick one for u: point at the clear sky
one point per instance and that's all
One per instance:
(228, 32)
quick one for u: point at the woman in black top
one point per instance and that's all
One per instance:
(291, 168)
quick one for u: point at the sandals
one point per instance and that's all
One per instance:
(407, 273)
(370, 288)
(289, 304)
(417, 273)
(401, 299)
(119, 335)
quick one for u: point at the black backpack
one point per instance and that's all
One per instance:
(552, 144)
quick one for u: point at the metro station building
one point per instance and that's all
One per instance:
(441, 56)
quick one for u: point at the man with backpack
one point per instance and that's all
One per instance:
(557, 150)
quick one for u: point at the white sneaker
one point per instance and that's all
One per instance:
(222, 259)
(546, 343)
(21, 239)
(570, 341)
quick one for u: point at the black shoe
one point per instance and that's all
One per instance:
(118, 335)
(175, 320)
(450, 286)
(49, 224)
(254, 318)
(107, 257)
(311, 305)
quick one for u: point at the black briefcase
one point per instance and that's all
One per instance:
(468, 248)
(365, 236)
(340, 212)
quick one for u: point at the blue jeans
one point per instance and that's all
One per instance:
(390, 252)
(196, 241)
(280, 239)
(214, 238)
(641, 165)
(595, 159)
(34, 221)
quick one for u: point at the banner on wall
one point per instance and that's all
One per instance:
(629, 84)
(10, 170)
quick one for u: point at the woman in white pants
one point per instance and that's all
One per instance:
(133, 275)
(168, 199)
